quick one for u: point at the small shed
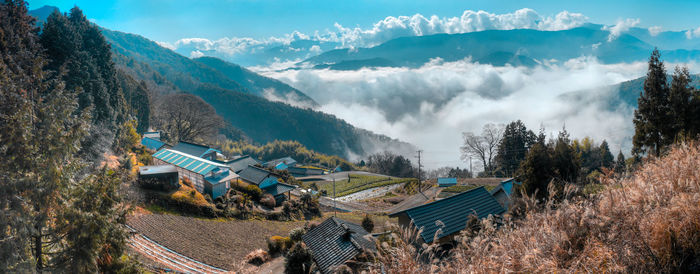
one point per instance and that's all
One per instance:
(161, 177)
(445, 182)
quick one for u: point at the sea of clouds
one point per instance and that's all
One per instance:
(433, 105)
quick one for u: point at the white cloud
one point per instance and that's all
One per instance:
(196, 54)
(655, 30)
(620, 27)
(166, 45)
(432, 105)
(386, 29)
(690, 34)
(315, 49)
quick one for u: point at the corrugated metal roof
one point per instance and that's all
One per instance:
(278, 188)
(453, 212)
(157, 169)
(151, 143)
(254, 174)
(193, 149)
(446, 181)
(289, 161)
(186, 161)
(240, 163)
(329, 245)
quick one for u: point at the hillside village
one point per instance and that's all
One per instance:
(366, 199)
(119, 155)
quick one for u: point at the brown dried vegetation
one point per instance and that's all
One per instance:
(649, 222)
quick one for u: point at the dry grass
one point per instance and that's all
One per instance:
(647, 223)
(189, 195)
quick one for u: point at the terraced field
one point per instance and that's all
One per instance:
(222, 244)
(357, 183)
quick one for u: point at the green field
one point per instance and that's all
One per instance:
(358, 183)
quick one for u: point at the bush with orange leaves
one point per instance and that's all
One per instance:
(649, 222)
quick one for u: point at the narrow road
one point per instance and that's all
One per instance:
(164, 256)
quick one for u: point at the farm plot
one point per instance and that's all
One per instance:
(356, 183)
(221, 244)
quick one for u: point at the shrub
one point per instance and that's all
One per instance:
(257, 257)
(298, 260)
(296, 234)
(254, 192)
(278, 244)
(367, 223)
(268, 201)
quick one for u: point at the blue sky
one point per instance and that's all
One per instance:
(169, 21)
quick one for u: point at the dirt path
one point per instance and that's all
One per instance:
(172, 260)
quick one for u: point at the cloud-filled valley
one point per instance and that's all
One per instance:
(432, 105)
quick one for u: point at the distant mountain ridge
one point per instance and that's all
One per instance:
(500, 47)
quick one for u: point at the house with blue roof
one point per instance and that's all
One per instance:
(504, 191)
(152, 144)
(441, 220)
(208, 177)
(240, 163)
(445, 182)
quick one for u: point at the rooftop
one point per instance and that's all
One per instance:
(193, 149)
(453, 212)
(286, 160)
(254, 174)
(152, 143)
(187, 161)
(240, 163)
(278, 188)
(157, 169)
(335, 241)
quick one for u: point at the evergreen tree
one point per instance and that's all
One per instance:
(620, 164)
(40, 136)
(536, 171)
(514, 145)
(653, 122)
(77, 46)
(564, 159)
(606, 158)
(680, 99)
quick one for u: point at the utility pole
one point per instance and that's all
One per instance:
(471, 171)
(335, 203)
(419, 172)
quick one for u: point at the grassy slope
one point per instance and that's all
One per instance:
(646, 223)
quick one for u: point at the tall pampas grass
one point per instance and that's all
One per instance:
(647, 222)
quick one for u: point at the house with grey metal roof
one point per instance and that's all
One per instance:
(198, 150)
(208, 177)
(449, 215)
(335, 241)
(238, 164)
(267, 181)
(287, 161)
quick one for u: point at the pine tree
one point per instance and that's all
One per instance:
(620, 165)
(516, 141)
(564, 159)
(606, 158)
(680, 100)
(536, 171)
(652, 120)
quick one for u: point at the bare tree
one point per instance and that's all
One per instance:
(483, 146)
(185, 117)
